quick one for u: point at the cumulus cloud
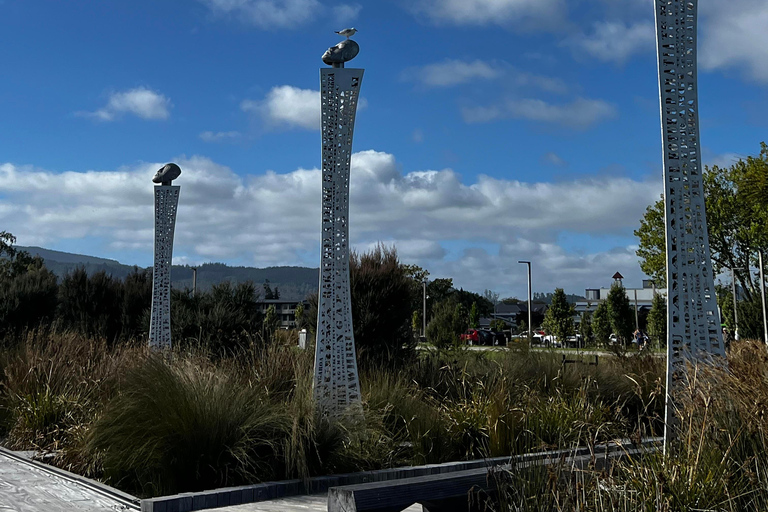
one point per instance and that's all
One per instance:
(267, 14)
(273, 219)
(734, 37)
(346, 13)
(522, 13)
(615, 41)
(141, 102)
(452, 72)
(288, 107)
(579, 114)
(220, 136)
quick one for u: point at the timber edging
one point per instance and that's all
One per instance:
(188, 502)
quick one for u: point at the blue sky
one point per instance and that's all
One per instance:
(490, 131)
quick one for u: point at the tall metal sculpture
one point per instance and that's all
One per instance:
(693, 321)
(166, 204)
(336, 386)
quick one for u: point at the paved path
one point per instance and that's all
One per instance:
(313, 503)
(27, 488)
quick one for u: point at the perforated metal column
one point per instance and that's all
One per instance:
(166, 204)
(693, 321)
(336, 383)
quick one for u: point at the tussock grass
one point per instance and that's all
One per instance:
(195, 419)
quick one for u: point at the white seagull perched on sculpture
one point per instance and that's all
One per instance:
(347, 32)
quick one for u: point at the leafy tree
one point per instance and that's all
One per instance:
(270, 324)
(299, 315)
(601, 323)
(585, 327)
(91, 305)
(474, 316)
(737, 222)
(620, 312)
(559, 317)
(381, 308)
(657, 320)
(447, 324)
(27, 300)
(498, 325)
(416, 323)
(136, 304)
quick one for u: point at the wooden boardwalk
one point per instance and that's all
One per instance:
(312, 503)
(25, 487)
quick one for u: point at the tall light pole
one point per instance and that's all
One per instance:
(735, 313)
(762, 296)
(194, 281)
(530, 316)
(424, 311)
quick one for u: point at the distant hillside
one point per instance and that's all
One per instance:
(292, 282)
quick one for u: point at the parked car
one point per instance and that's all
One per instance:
(471, 337)
(496, 338)
(574, 341)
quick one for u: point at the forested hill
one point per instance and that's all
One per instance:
(292, 282)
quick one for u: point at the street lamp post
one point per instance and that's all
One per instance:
(762, 296)
(735, 312)
(424, 311)
(530, 327)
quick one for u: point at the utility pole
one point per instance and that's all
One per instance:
(194, 281)
(530, 316)
(637, 323)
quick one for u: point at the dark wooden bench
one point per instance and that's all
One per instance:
(461, 491)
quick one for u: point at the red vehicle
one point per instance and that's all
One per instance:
(471, 337)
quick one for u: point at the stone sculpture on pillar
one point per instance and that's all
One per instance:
(693, 320)
(336, 386)
(166, 205)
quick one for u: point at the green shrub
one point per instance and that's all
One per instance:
(186, 425)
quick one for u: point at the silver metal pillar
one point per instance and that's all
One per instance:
(762, 297)
(424, 310)
(693, 323)
(166, 205)
(336, 384)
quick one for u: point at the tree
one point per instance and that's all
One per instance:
(601, 323)
(299, 316)
(737, 222)
(270, 324)
(558, 319)
(474, 316)
(381, 308)
(585, 327)
(620, 312)
(657, 320)
(447, 324)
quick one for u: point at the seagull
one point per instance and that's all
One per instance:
(347, 32)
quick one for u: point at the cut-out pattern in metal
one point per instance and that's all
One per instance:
(166, 204)
(336, 386)
(693, 321)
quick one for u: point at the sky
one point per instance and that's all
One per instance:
(489, 131)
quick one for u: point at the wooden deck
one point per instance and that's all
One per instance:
(26, 488)
(313, 503)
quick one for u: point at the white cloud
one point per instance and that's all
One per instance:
(346, 13)
(522, 13)
(141, 102)
(579, 114)
(220, 136)
(287, 106)
(734, 36)
(267, 14)
(272, 219)
(452, 72)
(553, 158)
(615, 41)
